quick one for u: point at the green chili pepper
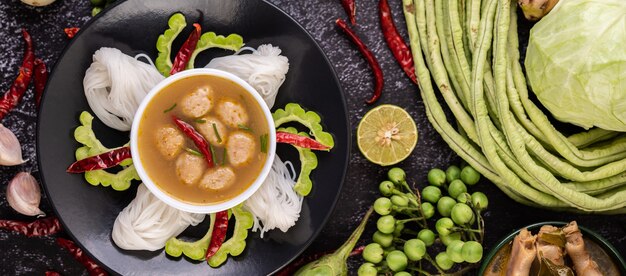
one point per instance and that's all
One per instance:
(176, 25)
(237, 243)
(194, 250)
(295, 113)
(308, 162)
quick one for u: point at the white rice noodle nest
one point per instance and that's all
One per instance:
(115, 84)
(264, 69)
(147, 222)
(275, 204)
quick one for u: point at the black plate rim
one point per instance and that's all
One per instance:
(345, 115)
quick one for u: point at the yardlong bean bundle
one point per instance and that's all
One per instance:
(470, 49)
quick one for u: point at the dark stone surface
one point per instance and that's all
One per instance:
(33, 256)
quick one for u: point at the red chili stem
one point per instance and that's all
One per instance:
(299, 141)
(12, 97)
(102, 161)
(395, 42)
(295, 265)
(197, 138)
(92, 268)
(350, 7)
(71, 32)
(369, 56)
(219, 233)
(41, 78)
(184, 54)
(41, 227)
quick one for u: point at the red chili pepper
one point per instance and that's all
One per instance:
(92, 268)
(52, 273)
(350, 7)
(12, 97)
(41, 227)
(184, 54)
(219, 233)
(295, 265)
(41, 78)
(197, 138)
(71, 32)
(299, 141)
(395, 42)
(102, 161)
(378, 72)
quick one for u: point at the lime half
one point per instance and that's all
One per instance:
(386, 135)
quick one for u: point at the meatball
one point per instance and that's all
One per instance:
(219, 178)
(190, 168)
(232, 113)
(240, 148)
(206, 129)
(197, 103)
(169, 141)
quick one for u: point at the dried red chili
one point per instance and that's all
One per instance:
(371, 60)
(12, 97)
(184, 54)
(41, 227)
(197, 138)
(102, 161)
(71, 32)
(41, 78)
(350, 7)
(52, 273)
(295, 265)
(219, 233)
(300, 141)
(92, 268)
(395, 42)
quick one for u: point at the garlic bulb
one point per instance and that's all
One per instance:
(38, 3)
(24, 195)
(10, 149)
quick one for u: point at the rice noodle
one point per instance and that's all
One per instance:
(147, 222)
(115, 84)
(264, 69)
(275, 204)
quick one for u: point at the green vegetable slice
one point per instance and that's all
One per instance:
(194, 250)
(84, 134)
(308, 162)
(232, 42)
(295, 113)
(237, 243)
(176, 25)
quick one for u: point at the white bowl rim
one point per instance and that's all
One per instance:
(179, 204)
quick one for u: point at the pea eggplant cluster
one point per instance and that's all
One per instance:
(414, 226)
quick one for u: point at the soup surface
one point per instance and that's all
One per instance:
(226, 116)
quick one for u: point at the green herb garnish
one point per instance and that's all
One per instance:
(212, 151)
(217, 134)
(244, 127)
(194, 152)
(200, 121)
(169, 109)
(264, 139)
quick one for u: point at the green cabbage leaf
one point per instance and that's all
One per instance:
(576, 63)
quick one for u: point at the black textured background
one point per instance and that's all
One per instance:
(33, 256)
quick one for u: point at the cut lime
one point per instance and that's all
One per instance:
(386, 135)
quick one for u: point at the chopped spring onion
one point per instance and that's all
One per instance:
(170, 109)
(244, 127)
(217, 134)
(194, 152)
(200, 121)
(264, 139)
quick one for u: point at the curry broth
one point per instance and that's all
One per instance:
(158, 114)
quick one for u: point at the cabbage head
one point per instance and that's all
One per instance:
(576, 63)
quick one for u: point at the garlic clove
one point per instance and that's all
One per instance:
(10, 149)
(38, 3)
(24, 195)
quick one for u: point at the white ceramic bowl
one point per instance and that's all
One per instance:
(208, 208)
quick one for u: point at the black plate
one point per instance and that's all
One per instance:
(88, 212)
